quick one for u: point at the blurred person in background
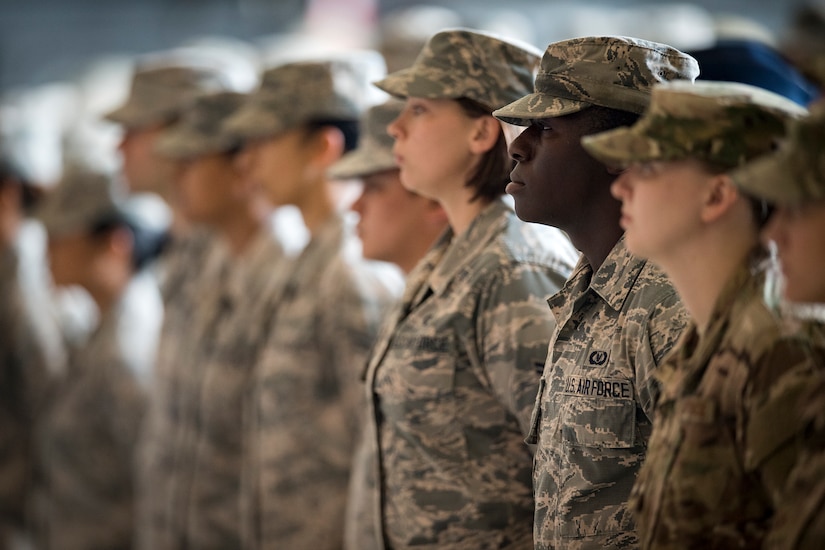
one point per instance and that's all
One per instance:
(618, 315)
(191, 461)
(793, 182)
(454, 373)
(304, 402)
(86, 437)
(395, 225)
(724, 436)
(803, 42)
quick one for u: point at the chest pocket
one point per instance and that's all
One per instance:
(596, 412)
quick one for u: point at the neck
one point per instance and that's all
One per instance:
(597, 231)
(241, 227)
(107, 290)
(460, 210)
(317, 205)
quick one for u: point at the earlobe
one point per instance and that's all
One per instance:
(485, 134)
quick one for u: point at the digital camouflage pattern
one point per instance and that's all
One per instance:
(800, 519)
(159, 94)
(456, 63)
(724, 123)
(593, 413)
(305, 406)
(727, 427)
(796, 173)
(87, 437)
(610, 71)
(296, 93)
(200, 130)
(374, 151)
(450, 384)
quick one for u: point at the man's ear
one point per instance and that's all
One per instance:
(486, 131)
(719, 197)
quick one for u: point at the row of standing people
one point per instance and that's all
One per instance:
(257, 404)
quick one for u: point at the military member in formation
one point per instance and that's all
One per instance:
(716, 464)
(793, 180)
(617, 316)
(452, 378)
(193, 454)
(87, 436)
(395, 225)
(32, 349)
(304, 405)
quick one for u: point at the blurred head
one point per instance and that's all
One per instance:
(446, 131)
(676, 161)
(793, 181)
(584, 85)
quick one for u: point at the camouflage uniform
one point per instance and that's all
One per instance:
(86, 437)
(614, 324)
(304, 405)
(194, 447)
(793, 176)
(714, 473)
(452, 377)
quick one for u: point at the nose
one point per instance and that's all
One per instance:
(521, 147)
(621, 185)
(394, 127)
(358, 205)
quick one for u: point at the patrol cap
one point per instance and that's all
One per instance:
(374, 151)
(303, 91)
(84, 196)
(610, 71)
(725, 123)
(158, 94)
(200, 130)
(456, 63)
(796, 173)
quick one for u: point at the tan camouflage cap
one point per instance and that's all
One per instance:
(83, 196)
(159, 94)
(610, 71)
(305, 91)
(200, 130)
(374, 151)
(796, 173)
(725, 123)
(459, 63)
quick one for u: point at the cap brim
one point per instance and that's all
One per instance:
(183, 145)
(253, 122)
(362, 162)
(766, 178)
(537, 106)
(429, 83)
(621, 147)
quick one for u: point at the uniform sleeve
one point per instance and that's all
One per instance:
(514, 327)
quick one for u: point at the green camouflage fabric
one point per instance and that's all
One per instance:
(200, 130)
(374, 151)
(724, 123)
(796, 173)
(727, 427)
(305, 407)
(296, 93)
(159, 94)
(87, 438)
(800, 519)
(450, 385)
(610, 71)
(456, 63)
(594, 409)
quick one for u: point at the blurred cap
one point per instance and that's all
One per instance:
(610, 71)
(296, 93)
(374, 151)
(83, 197)
(200, 129)
(724, 123)
(755, 63)
(456, 63)
(159, 94)
(796, 173)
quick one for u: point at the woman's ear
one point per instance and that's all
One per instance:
(720, 196)
(330, 145)
(485, 133)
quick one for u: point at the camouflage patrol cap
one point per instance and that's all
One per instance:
(725, 123)
(85, 195)
(159, 94)
(199, 131)
(610, 71)
(374, 151)
(299, 92)
(458, 63)
(796, 173)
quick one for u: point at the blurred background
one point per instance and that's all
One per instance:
(63, 62)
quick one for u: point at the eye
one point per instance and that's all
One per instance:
(416, 108)
(646, 169)
(543, 125)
